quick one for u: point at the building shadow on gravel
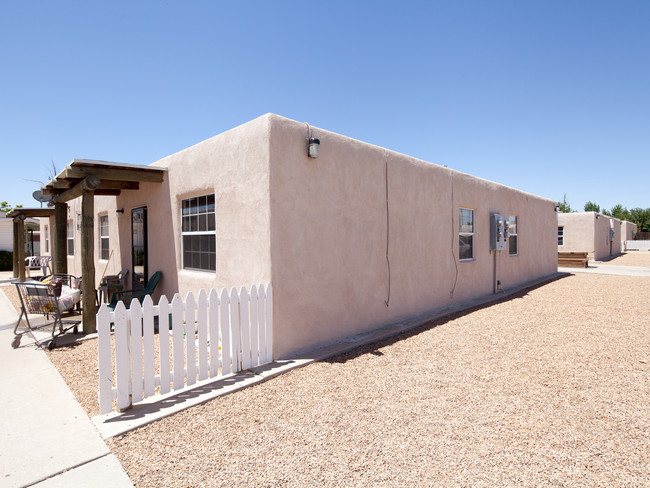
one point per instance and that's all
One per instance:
(374, 347)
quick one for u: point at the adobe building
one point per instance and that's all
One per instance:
(600, 235)
(352, 236)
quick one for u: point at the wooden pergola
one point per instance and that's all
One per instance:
(86, 178)
(19, 215)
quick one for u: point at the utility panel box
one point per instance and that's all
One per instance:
(498, 232)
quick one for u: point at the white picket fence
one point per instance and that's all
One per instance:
(231, 332)
(638, 245)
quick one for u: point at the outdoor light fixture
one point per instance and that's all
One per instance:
(121, 210)
(313, 149)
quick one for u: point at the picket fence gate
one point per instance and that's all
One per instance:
(231, 332)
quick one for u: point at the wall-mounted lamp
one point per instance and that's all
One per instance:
(597, 216)
(121, 210)
(557, 208)
(313, 148)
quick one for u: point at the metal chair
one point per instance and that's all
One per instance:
(112, 283)
(43, 299)
(135, 294)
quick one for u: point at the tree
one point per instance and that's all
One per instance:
(5, 207)
(641, 217)
(592, 207)
(564, 206)
(618, 211)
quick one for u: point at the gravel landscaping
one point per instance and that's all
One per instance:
(548, 388)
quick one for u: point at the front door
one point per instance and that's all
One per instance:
(139, 247)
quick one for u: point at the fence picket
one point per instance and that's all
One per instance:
(190, 338)
(235, 331)
(136, 351)
(261, 318)
(122, 357)
(269, 324)
(255, 347)
(232, 331)
(177, 342)
(163, 338)
(148, 345)
(224, 304)
(244, 327)
(214, 333)
(202, 331)
(105, 355)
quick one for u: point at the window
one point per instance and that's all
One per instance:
(70, 238)
(104, 251)
(466, 234)
(560, 236)
(198, 233)
(512, 235)
(47, 240)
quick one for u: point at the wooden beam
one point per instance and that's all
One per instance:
(89, 183)
(15, 249)
(118, 185)
(89, 304)
(60, 250)
(108, 192)
(31, 212)
(152, 176)
(20, 248)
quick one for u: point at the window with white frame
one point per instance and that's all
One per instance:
(104, 249)
(560, 236)
(198, 233)
(513, 241)
(70, 238)
(466, 234)
(47, 239)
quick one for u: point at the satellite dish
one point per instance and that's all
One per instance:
(39, 197)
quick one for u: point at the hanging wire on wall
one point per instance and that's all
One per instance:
(453, 289)
(387, 301)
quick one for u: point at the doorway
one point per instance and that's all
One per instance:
(139, 242)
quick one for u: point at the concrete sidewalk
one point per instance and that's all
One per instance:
(46, 438)
(598, 267)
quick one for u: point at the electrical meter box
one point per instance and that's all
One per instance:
(498, 232)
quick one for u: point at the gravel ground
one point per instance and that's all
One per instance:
(549, 388)
(631, 258)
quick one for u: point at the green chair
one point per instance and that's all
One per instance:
(131, 294)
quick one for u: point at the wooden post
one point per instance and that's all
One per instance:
(20, 244)
(15, 249)
(60, 244)
(88, 262)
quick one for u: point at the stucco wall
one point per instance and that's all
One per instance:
(233, 166)
(329, 232)
(589, 232)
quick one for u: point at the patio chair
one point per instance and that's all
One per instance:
(46, 300)
(42, 263)
(135, 294)
(112, 283)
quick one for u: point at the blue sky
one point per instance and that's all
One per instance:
(550, 97)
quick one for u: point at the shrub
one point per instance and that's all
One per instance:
(6, 260)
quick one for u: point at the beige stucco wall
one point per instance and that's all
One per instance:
(329, 232)
(628, 231)
(589, 232)
(233, 166)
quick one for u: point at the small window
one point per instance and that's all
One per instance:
(560, 236)
(47, 239)
(466, 234)
(104, 249)
(512, 235)
(70, 238)
(198, 233)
